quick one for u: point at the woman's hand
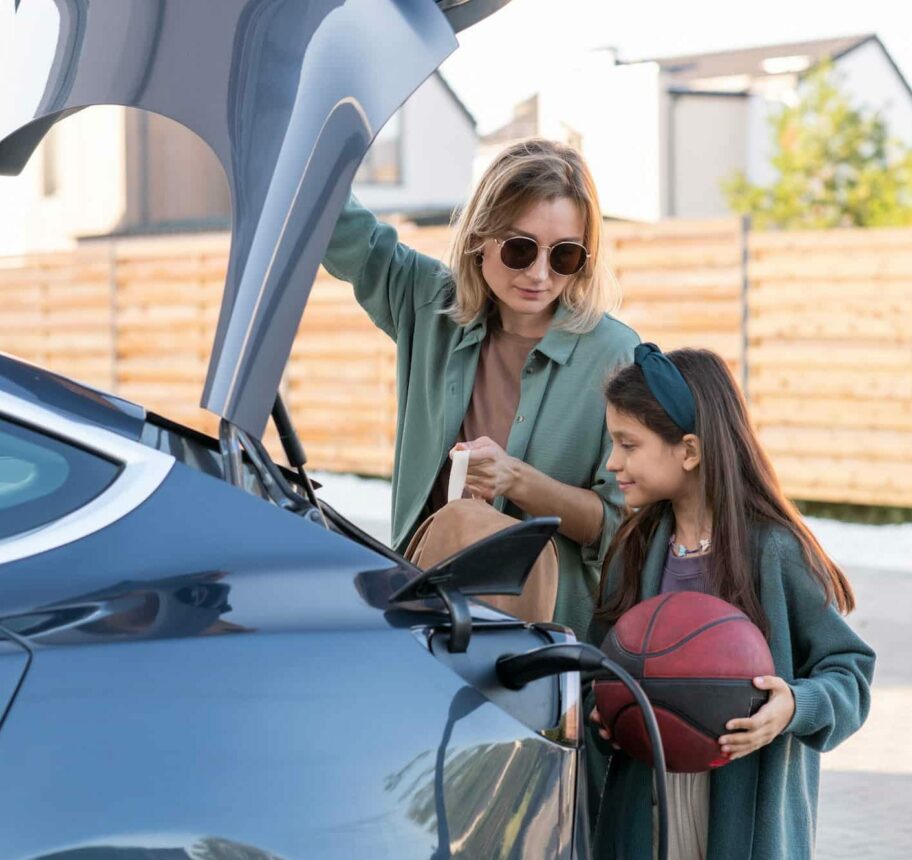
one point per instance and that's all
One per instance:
(492, 472)
(764, 726)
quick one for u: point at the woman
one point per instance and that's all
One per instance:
(505, 352)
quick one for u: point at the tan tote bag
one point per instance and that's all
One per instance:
(462, 522)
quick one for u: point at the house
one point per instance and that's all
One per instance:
(113, 171)
(662, 134)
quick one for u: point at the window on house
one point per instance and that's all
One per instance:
(383, 163)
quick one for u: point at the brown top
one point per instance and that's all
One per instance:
(495, 397)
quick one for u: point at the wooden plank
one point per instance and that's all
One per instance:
(683, 316)
(137, 342)
(875, 446)
(835, 355)
(723, 254)
(846, 495)
(848, 384)
(328, 345)
(847, 473)
(172, 245)
(163, 373)
(860, 240)
(832, 327)
(779, 294)
(799, 410)
(809, 308)
(853, 266)
(683, 227)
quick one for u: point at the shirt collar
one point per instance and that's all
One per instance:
(557, 344)
(474, 332)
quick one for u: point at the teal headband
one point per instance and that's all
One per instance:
(667, 385)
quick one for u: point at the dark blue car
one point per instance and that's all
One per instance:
(197, 657)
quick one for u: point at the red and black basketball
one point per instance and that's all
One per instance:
(696, 657)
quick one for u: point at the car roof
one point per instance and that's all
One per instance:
(69, 398)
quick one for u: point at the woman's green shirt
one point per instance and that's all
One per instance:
(559, 428)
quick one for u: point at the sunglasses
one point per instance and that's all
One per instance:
(564, 258)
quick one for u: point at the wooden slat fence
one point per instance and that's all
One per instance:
(682, 283)
(820, 332)
(830, 358)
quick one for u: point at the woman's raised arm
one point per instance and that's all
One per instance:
(389, 278)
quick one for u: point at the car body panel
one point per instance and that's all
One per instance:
(14, 662)
(288, 94)
(70, 400)
(207, 666)
(262, 741)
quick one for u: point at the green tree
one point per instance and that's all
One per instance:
(836, 165)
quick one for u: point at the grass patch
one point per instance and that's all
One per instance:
(875, 515)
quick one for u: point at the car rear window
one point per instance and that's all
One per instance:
(43, 478)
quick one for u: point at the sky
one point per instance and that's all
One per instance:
(506, 57)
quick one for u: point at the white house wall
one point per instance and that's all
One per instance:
(760, 111)
(89, 197)
(710, 143)
(616, 113)
(871, 79)
(438, 148)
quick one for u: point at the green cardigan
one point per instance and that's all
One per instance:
(560, 423)
(763, 806)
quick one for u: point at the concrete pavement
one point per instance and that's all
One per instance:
(866, 785)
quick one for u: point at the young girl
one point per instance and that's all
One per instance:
(503, 351)
(708, 515)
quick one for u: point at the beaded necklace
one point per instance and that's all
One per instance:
(682, 551)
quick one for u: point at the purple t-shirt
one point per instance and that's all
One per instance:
(684, 574)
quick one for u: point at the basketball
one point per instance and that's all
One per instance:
(695, 657)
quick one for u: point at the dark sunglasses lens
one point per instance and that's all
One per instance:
(518, 253)
(568, 258)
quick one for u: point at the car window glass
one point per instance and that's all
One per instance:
(42, 478)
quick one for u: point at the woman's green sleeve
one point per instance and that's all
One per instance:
(390, 279)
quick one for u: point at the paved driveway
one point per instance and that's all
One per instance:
(866, 785)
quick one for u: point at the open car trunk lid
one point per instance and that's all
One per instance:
(288, 94)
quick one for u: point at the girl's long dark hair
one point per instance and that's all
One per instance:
(738, 484)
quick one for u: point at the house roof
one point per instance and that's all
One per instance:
(459, 102)
(758, 61)
(524, 123)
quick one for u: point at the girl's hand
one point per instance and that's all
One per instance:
(596, 719)
(757, 731)
(492, 471)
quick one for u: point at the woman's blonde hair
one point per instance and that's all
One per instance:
(524, 174)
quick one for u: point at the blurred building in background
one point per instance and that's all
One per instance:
(113, 171)
(661, 134)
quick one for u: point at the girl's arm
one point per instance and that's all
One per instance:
(390, 279)
(833, 666)
(828, 694)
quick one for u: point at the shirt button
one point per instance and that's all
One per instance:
(520, 419)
